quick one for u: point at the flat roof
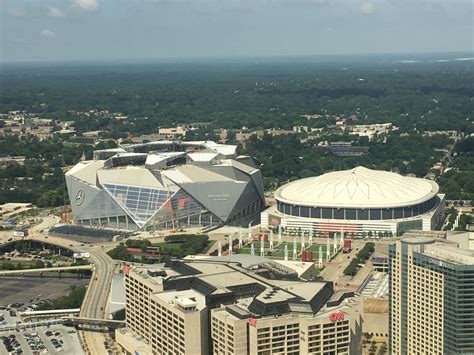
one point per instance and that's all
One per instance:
(222, 276)
(186, 298)
(449, 253)
(417, 240)
(117, 289)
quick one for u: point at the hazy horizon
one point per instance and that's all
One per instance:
(396, 57)
(161, 30)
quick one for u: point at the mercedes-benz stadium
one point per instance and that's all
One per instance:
(166, 185)
(357, 201)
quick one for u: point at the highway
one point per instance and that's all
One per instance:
(96, 297)
(95, 300)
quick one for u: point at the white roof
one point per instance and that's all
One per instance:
(224, 149)
(202, 156)
(358, 188)
(86, 170)
(190, 173)
(153, 159)
(130, 176)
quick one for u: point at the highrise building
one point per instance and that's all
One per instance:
(239, 305)
(431, 295)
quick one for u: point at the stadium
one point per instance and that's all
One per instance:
(166, 185)
(358, 201)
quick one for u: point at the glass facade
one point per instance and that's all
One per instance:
(372, 214)
(181, 210)
(140, 203)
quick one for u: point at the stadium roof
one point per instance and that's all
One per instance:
(357, 188)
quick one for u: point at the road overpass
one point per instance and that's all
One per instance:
(95, 300)
(48, 269)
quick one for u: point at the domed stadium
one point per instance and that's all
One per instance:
(357, 201)
(166, 185)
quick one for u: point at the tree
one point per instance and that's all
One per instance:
(383, 349)
(21, 246)
(38, 264)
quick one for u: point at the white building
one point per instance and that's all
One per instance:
(357, 201)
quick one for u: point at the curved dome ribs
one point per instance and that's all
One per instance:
(358, 188)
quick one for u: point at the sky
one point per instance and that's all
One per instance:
(121, 30)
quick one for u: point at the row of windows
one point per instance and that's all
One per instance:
(358, 213)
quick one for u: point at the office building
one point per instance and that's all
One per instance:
(431, 297)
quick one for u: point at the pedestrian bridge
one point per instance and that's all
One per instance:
(110, 323)
(73, 321)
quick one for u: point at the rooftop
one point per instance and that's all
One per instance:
(357, 188)
(255, 288)
(450, 250)
(449, 253)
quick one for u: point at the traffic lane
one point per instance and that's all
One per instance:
(97, 296)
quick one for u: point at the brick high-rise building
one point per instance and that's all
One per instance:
(431, 297)
(236, 305)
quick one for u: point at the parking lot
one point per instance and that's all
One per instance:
(55, 339)
(23, 288)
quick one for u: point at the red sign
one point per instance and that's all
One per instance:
(126, 268)
(337, 316)
(252, 321)
(182, 202)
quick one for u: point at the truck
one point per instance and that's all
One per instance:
(347, 246)
(20, 232)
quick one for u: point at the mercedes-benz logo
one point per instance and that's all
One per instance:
(79, 197)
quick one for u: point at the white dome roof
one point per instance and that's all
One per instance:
(357, 188)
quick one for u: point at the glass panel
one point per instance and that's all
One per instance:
(181, 210)
(140, 203)
(387, 213)
(315, 212)
(375, 214)
(326, 213)
(350, 213)
(304, 211)
(338, 213)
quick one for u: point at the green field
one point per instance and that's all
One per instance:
(279, 250)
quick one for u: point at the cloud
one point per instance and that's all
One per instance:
(87, 5)
(55, 12)
(367, 8)
(47, 33)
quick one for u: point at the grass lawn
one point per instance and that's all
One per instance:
(279, 249)
(168, 245)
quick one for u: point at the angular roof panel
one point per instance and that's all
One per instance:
(130, 175)
(86, 171)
